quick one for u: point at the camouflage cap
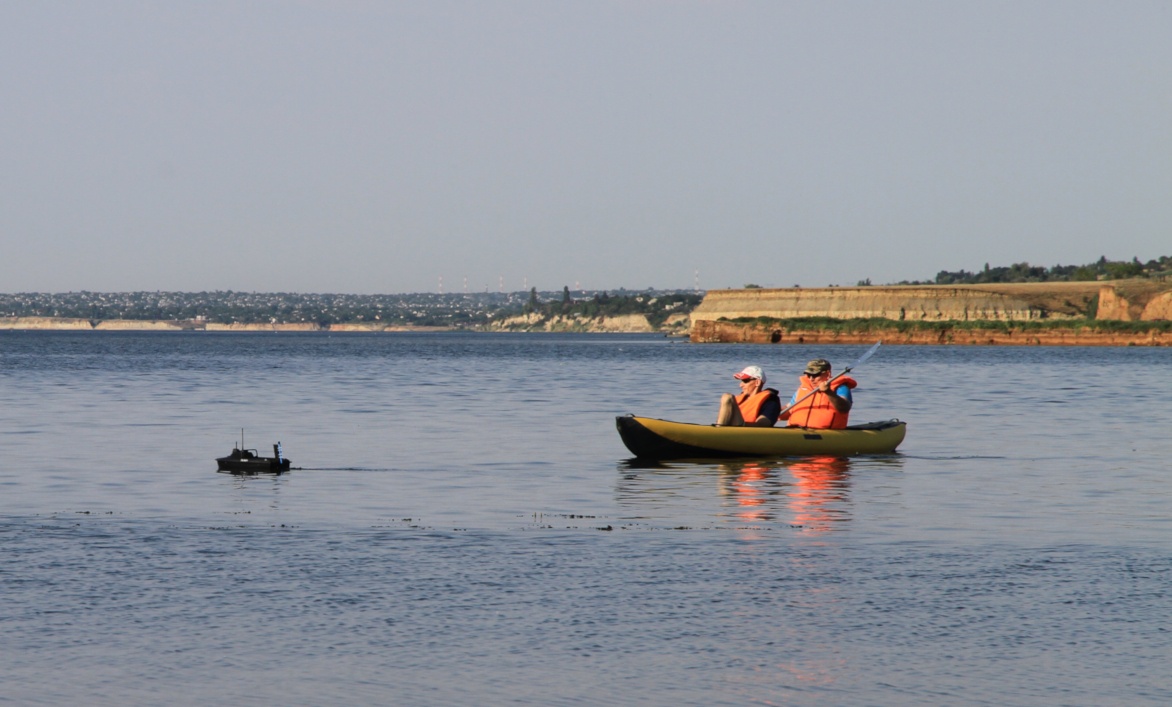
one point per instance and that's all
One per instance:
(818, 365)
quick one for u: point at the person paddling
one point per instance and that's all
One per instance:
(756, 406)
(821, 401)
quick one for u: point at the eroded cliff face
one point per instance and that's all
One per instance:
(627, 323)
(137, 325)
(1124, 300)
(64, 324)
(1138, 302)
(964, 303)
(253, 326)
(46, 323)
(1158, 308)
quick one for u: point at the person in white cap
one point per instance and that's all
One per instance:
(756, 406)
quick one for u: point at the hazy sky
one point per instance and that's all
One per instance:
(374, 147)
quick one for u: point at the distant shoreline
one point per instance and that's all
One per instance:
(623, 324)
(601, 326)
(703, 331)
(71, 324)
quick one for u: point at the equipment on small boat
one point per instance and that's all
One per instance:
(247, 461)
(650, 438)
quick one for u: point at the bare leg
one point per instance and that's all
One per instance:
(730, 412)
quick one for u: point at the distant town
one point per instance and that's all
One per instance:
(452, 311)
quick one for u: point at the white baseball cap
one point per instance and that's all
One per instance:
(750, 372)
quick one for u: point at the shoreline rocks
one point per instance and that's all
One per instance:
(707, 332)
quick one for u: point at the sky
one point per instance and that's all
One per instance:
(385, 147)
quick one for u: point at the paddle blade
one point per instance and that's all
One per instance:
(870, 352)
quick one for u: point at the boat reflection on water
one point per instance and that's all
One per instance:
(811, 494)
(820, 493)
(750, 488)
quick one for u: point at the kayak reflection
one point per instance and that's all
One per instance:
(811, 493)
(819, 496)
(754, 489)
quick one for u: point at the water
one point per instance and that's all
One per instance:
(466, 527)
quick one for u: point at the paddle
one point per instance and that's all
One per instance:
(870, 352)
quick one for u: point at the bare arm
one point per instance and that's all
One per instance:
(840, 403)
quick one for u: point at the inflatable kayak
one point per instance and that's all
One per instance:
(649, 438)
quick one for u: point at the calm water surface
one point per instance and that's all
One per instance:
(465, 526)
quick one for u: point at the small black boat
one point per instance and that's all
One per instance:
(247, 461)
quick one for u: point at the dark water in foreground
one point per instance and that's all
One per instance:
(466, 527)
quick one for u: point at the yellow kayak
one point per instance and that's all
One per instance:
(649, 438)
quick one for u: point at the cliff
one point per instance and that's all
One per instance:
(626, 323)
(64, 324)
(1032, 305)
(1135, 302)
(37, 323)
(136, 325)
(631, 323)
(1122, 300)
(256, 326)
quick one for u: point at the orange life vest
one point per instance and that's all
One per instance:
(816, 411)
(750, 405)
